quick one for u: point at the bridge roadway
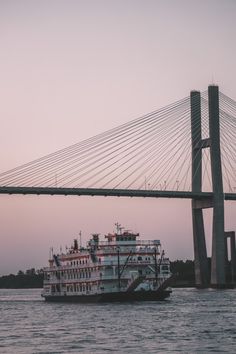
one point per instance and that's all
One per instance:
(112, 192)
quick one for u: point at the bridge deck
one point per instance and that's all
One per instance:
(112, 192)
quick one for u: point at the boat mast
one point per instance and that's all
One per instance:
(80, 239)
(156, 268)
(118, 263)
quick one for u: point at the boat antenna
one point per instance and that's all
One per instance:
(118, 228)
(80, 239)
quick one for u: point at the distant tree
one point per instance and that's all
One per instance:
(30, 271)
(184, 270)
(39, 271)
(29, 279)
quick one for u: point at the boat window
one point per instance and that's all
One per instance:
(165, 267)
(139, 258)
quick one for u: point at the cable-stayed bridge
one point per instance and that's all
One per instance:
(184, 150)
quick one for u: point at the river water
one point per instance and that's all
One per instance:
(191, 321)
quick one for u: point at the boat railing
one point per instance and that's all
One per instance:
(106, 262)
(161, 279)
(127, 248)
(130, 243)
(83, 280)
(72, 293)
(130, 262)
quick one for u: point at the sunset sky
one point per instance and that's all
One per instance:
(71, 69)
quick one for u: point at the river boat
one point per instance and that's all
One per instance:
(120, 268)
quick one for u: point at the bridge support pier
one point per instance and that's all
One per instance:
(217, 203)
(199, 243)
(218, 245)
(231, 236)
(200, 252)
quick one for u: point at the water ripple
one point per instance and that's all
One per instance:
(191, 321)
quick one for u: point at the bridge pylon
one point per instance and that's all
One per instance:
(199, 243)
(217, 201)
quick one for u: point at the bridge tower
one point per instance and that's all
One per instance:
(217, 201)
(199, 243)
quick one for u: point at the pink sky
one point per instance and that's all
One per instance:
(72, 69)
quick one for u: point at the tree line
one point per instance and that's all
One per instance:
(31, 278)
